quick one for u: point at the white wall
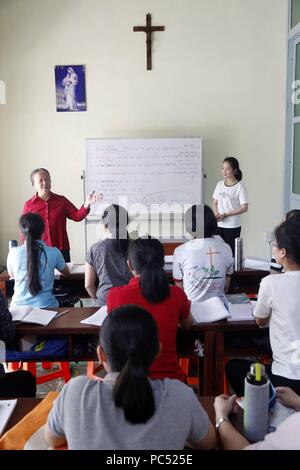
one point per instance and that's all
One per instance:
(219, 72)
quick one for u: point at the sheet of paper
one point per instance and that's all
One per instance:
(77, 269)
(97, 318)
(18, 313)
(6, 409)
(39, 316)
(209, 311)
(239, 312)
(255, 263)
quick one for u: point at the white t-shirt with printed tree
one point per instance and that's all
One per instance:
(202, 264)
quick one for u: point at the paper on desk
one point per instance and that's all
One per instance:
(6, 409)
(255, 263)
(240, 312)
(209, 311)
(97, 318)
(27, 314)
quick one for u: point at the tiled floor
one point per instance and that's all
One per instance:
(77, 368)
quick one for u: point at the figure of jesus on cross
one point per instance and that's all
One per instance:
(148, 29)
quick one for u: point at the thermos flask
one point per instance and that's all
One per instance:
(256, 410)
(238, 254)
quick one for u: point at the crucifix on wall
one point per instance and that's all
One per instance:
(148, 29)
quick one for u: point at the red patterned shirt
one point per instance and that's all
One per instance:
(55, 213)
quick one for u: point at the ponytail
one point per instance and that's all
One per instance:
(129, 338)
(233, 162)
(133, 392)
(32, 227)
(147, 259)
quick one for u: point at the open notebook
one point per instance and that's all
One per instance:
(209, 311)
(27, 314)
(97, 318)
(240, 307)
(6, 409)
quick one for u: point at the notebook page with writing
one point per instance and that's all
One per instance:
(97, 318)
(209, 311)
(6, 409)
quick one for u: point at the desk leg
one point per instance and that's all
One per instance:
(219, 358)
(205, 366)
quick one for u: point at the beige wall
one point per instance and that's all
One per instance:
(219, 72)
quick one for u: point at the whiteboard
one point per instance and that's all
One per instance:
(145, 172)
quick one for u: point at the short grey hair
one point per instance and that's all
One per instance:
(38, 170)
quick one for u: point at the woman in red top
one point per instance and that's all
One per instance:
(168, 305)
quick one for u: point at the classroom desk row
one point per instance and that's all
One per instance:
(245, 280)
(210, 366)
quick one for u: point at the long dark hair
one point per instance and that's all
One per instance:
(233, 162)
(146, 256)
(287, 235)
(32, 227)
(115, 219)
(129, 338)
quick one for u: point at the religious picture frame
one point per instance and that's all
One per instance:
(70, 88)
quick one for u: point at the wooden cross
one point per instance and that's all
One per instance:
(210, 253)
(148, 29)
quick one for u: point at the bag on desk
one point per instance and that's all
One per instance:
(50, 348)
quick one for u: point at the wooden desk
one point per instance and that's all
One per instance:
(246, 280)
(74, 282)
(23, 406)
(69, 325)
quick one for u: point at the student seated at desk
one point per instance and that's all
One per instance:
(276, 268)
(202, 266)
(286, 436)
(107, 259)
(150, 290)
(32, 265)
(127, 410)
(278, 305)
(13, 384)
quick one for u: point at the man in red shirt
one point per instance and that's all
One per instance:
(55, 210)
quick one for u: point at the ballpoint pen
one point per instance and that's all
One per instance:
(61, 313)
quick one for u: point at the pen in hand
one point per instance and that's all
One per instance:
(61, 313)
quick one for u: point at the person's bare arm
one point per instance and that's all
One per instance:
(216, 208)
(231, 439)
(240, 210)
(64, 271)
(90, 280)
(262, 321)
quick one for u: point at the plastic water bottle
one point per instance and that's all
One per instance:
(12, 244)
(238, 254)
(256, 411)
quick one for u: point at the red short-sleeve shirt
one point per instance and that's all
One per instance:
(167, 315)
